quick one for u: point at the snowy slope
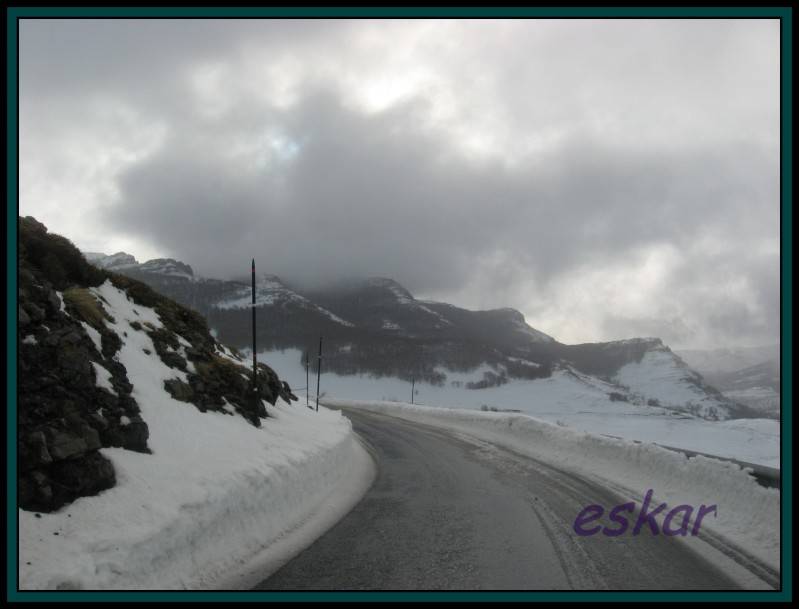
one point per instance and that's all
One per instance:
(568, 398)
(270, 291)
(663, 378)
(168, 268)
(215, 492)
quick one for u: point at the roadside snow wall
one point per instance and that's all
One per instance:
(748, 514)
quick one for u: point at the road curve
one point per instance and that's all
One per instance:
(449, 514)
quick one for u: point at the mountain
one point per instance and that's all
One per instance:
(749, 376)
(92, 345)
(377, 327)
(719, 361)
(756, 386)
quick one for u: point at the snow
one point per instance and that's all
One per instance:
(759, 398)
(61, 306)
(526, 362)
(577, 401)
(94, 335)
(215, 495)
(103, 377)
(434, 313)
(167, 267)
(269, 291)
(660, 376)
(30, 339)
(120, 260)
(748, 514)
(390, 325)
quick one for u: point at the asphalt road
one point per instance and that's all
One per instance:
(448, 514)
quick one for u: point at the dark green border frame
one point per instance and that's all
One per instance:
(785, 14)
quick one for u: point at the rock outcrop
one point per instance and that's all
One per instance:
(74, 396)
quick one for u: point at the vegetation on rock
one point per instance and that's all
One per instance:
(64, 415)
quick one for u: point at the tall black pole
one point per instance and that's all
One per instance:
(318, 373)
(254, 356)
(413, 382)
(307, 383)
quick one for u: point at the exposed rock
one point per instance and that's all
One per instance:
(64, 417)
(59, 427)
(64, 444)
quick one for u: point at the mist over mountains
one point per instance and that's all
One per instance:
(377, 327)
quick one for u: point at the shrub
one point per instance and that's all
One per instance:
(82, 303)
(55, 257)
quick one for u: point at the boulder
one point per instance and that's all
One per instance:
(24, 319)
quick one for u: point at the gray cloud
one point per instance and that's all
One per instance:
(609, 179)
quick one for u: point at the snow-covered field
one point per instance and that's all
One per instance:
(215, 495)
(748, 514)
(567, 399)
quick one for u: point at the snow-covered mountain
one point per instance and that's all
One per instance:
(719, 361)
(749, 376)
(756, 386)
(113, 262)
(377, 327)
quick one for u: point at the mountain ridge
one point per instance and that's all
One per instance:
(375, 326)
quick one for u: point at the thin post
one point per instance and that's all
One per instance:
(254, 356)
(413, 382)
(307, 383)
(318, 373)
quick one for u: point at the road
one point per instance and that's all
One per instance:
(445, 513)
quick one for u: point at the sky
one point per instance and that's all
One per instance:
(608, 178)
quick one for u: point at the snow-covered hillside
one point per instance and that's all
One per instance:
(567, 398)
(270, 291)
(146, 459)
(214, 493)
(389, 333)
(663, 380)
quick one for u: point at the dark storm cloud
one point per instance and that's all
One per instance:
(601, 184)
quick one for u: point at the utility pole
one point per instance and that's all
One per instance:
(307, 383)
(413, 383)
(318, 373)
(254, 356)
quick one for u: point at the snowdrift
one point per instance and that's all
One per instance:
(215, 493)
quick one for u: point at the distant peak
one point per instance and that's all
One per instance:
(389, 284)
(120, 260)
(650, 341)
(167, 266)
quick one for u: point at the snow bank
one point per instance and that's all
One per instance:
(215, 493)
(748, 514)
(567, 398)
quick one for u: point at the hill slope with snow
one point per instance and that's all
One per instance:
(377, 327)
(145, 458)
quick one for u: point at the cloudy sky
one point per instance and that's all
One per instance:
(607, 178)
